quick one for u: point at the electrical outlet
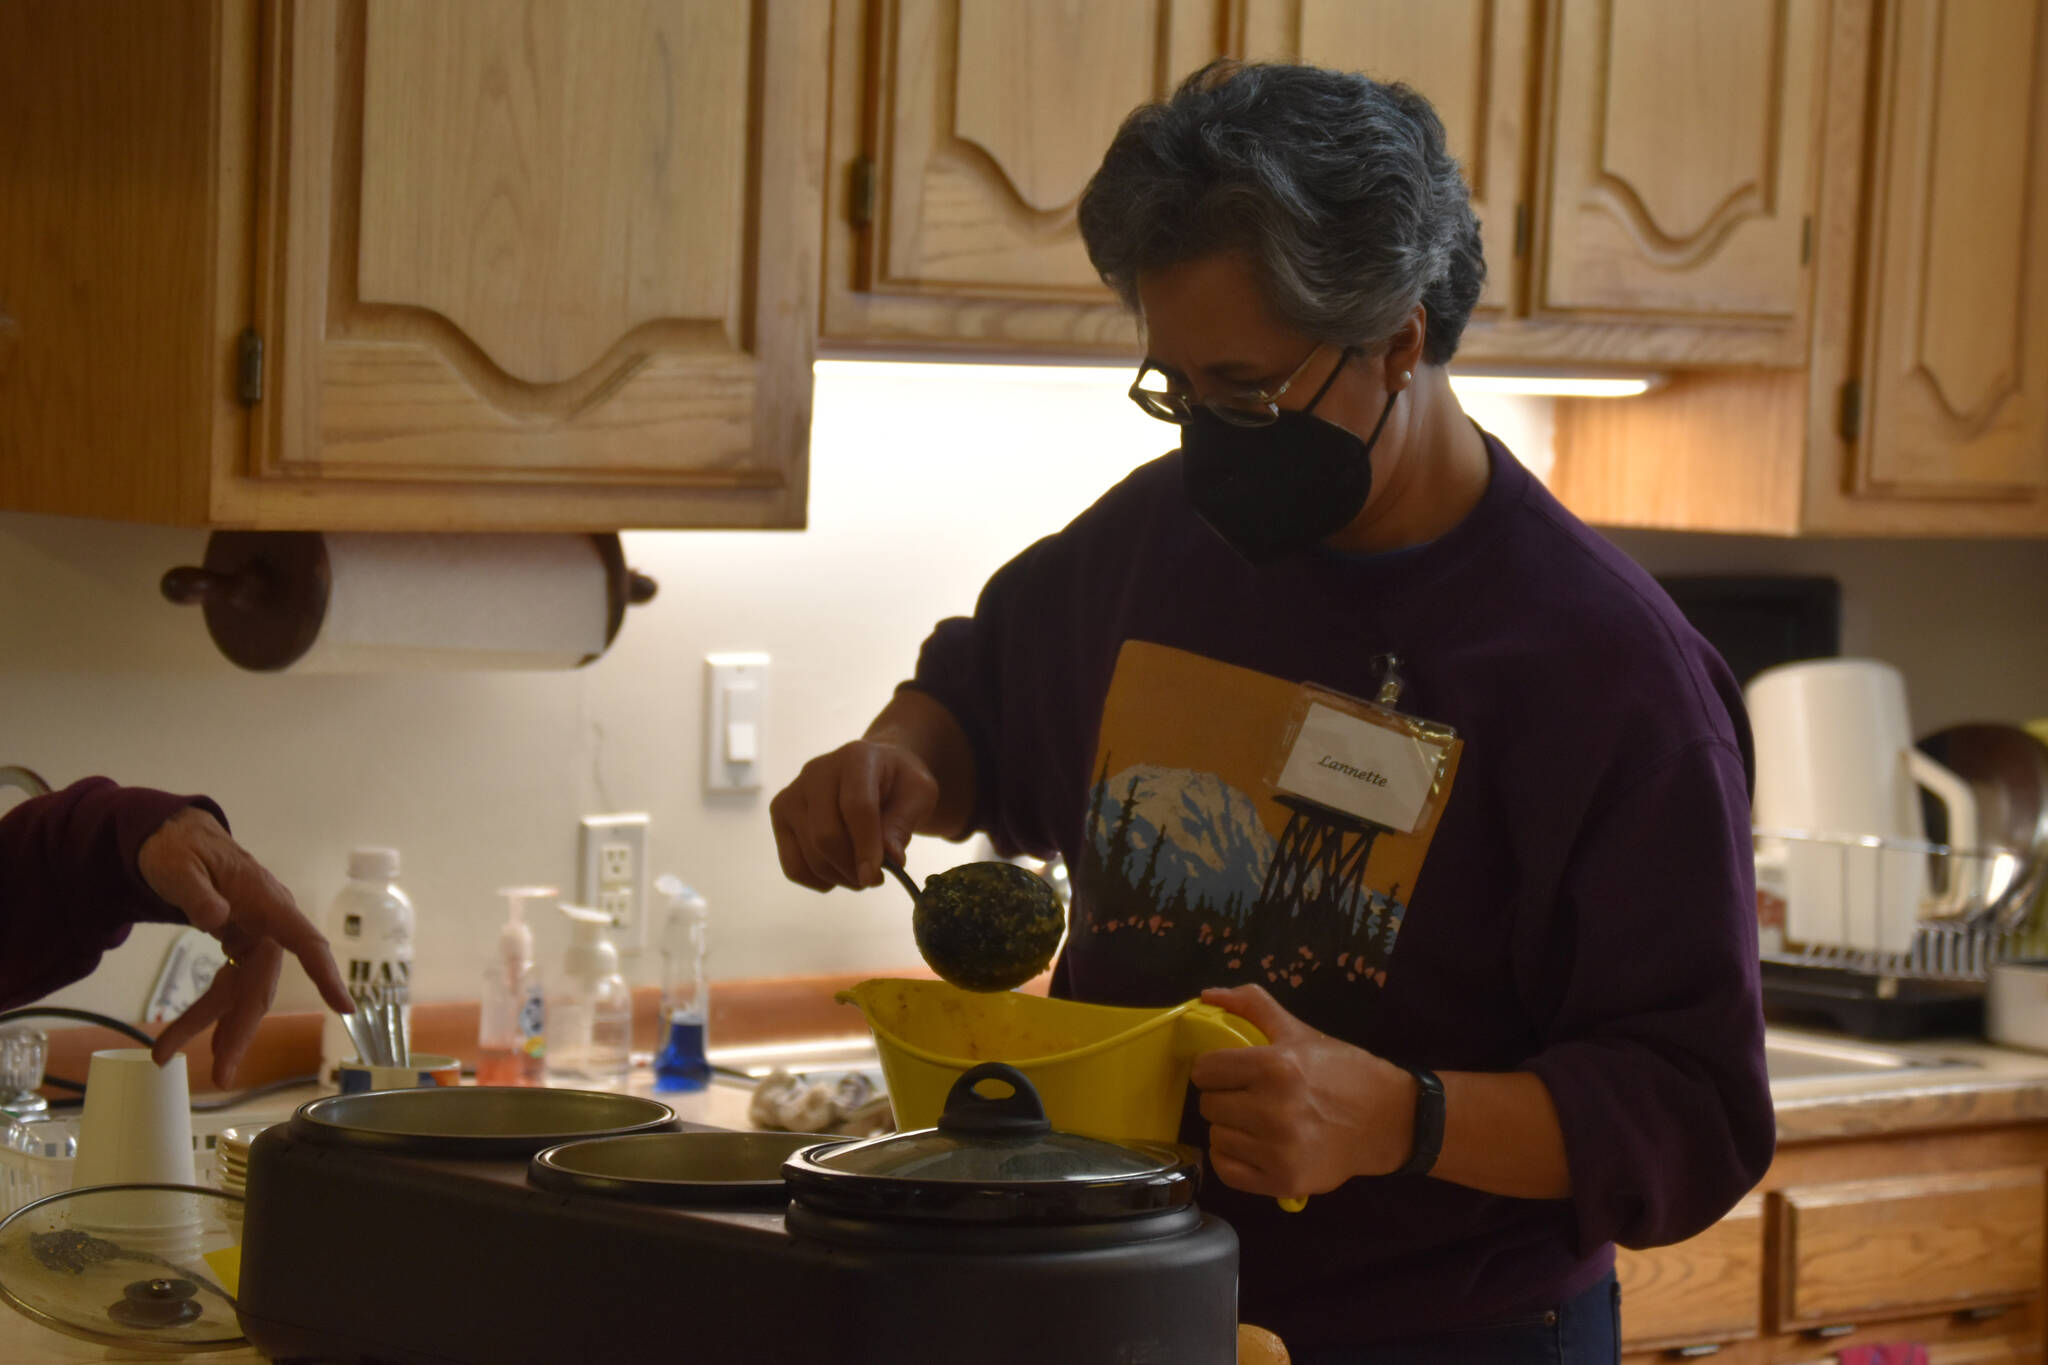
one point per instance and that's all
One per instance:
(617, 901)
(612, 874)
(614, 865)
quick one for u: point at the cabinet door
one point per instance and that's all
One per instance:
(1681, 165)
(1469, 58)
(1956, 375)
(1855, 1250)
(980, 123)
(1703, 1291)
(553, 250)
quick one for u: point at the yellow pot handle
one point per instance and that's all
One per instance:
(1205, 1028)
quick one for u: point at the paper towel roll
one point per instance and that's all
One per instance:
(354, 603)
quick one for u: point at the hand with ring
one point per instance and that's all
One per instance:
(197, 867)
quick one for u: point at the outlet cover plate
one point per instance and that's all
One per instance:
(611, 862)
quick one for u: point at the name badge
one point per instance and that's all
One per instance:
(1384, 774)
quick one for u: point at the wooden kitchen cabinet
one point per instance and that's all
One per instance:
(1924, 407)
(1934, 1237)
(1707, 1289)
(1472, 59)
(1680, 172)
(388, 264)
(964, 131)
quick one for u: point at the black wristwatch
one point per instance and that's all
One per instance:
(1429, 1122)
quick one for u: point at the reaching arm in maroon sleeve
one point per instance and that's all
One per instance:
(69, 885)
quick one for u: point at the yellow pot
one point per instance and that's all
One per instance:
(1100, 1070)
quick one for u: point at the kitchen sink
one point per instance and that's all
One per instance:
(1803, 1057)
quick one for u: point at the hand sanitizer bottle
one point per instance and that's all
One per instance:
(685, 1002)
(512, 1032)
(591, 1006)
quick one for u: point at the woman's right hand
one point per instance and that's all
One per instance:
(848, 810)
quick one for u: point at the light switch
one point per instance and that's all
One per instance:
(735, 697)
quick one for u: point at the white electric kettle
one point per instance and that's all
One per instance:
(1835, 760)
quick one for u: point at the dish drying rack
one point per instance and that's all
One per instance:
(1990, 913)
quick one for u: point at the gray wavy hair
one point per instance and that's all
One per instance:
(1337, 187)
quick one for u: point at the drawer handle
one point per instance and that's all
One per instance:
(1983, 1314)
(1705, 1348)
(1839, 1329)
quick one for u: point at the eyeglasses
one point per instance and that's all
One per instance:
(1162, 399)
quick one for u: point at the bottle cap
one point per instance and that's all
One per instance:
(591, 952)
(682, 899)
(373, 864)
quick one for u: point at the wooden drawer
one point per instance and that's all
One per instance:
(1862, 1249)
(1703, 1290)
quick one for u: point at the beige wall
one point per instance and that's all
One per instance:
(923, 484)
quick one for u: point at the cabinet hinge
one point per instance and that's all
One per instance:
(1852, 409)
(1806, 240)
(860, 198)
(1521, 229)
(249, 367)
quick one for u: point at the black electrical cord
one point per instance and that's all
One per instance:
(82, 1016)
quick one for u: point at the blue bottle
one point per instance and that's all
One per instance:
(681, 1063)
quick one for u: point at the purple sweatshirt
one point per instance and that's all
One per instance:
(69, 888)
(1585, 910)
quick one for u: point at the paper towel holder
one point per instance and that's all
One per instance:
(265, 593)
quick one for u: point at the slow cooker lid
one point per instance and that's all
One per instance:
(126, 1265)
(994, 1157)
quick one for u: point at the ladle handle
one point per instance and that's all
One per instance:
(895, 869)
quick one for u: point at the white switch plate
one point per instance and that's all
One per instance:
(611, 861)
(735, 710)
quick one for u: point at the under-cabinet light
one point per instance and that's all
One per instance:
(1556, 385)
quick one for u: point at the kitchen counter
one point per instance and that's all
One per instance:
(1992, 1086)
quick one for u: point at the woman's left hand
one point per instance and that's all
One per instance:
(196, 866)
(1304, 1114)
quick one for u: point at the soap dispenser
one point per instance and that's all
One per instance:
(512, 1030)
(592, 1034)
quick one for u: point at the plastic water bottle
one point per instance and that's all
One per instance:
(370, 926)
(685, 999)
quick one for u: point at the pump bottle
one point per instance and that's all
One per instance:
(592, 1007)
(512, 1032)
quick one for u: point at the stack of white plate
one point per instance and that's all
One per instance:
(231, 1160)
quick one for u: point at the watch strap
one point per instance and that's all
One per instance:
(1429, 1122)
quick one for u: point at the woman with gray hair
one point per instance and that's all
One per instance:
(1502, 939)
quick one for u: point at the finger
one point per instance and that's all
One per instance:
(255, 986)
(196, 1018)
(1254, 1004)
(273, 911)
(820, 839)
(860, 815)
(907, 799)
(1232, 1068)
(1238, 1163)
(787, 813)
(1239, 1111)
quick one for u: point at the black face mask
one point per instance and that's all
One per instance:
(1275, 490)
